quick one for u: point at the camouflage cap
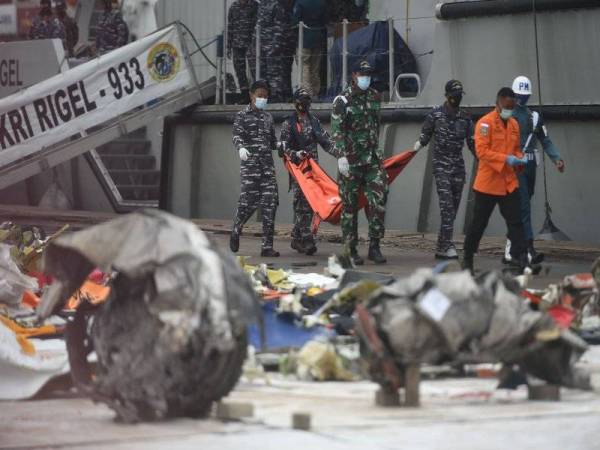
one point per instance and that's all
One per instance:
(454, 87)
(363, 68)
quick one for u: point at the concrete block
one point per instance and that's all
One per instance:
(301, 421)
(234, 411)
(412, 381)
(547, 392)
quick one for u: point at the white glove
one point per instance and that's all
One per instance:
(417, 146)
(301, 155)
(244, 154)
(344, 166)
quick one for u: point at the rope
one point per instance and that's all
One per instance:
(199, 48)
(541, 105)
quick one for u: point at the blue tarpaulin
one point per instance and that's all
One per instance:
(281, 332)
(371, 43)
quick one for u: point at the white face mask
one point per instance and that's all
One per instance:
(261, 103)
(506, 113)
(363, 82)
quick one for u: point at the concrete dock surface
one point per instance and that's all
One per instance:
(456, 413)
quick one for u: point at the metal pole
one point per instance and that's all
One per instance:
(219, 80)
(345, 54)
(257, 53)
(219, 70)
(225, 29)
(391, 56)
(300, 51)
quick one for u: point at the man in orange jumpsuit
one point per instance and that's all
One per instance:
(497, 144)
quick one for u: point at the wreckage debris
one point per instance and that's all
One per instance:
(311, 318)
(170, 339)
(574, 302)
(452, 317)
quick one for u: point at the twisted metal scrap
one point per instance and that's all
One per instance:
(171, 338)
(475, 320)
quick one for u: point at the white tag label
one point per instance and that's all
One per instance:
(435, 304)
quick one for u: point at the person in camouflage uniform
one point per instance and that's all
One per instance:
(112, 31)
(242, 22)
(290, 36)
(254, 139)
(71, 28)
(274, 19)
(301, 133)
(45, 26)
(450, 127)
(355, 132)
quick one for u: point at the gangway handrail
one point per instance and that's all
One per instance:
(120, 126)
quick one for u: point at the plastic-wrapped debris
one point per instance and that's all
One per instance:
(328, 361)
(453, 317)
(27, 244)
(13, 283)
(576, 297)
(171, 338)
(23, 374)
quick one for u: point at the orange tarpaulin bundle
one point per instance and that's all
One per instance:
(322, 192)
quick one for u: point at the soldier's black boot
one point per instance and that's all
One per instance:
(269, 253)
(297, 245)
(375, 252)
(234, 240)
(311, 249)
(534, 256)
(356, 258)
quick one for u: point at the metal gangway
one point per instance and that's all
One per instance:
(19, 166)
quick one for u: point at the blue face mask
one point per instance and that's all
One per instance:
(363, 82)
(522, 99)
(261, 103)
(506, 113)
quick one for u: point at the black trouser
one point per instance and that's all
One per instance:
(510, 208)
(239, 64)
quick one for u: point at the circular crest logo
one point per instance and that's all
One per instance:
(163, 62)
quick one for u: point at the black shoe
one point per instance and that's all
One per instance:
(297, 245)
(522, 264)
(234, 241)
(310, 249)
(269, 253)
(534, 256)
(511, 378)
(356, 259)
(375, 252)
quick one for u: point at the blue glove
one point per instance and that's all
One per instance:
(513, 161)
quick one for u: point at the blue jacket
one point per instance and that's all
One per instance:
(525, 118)
(314, 15)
